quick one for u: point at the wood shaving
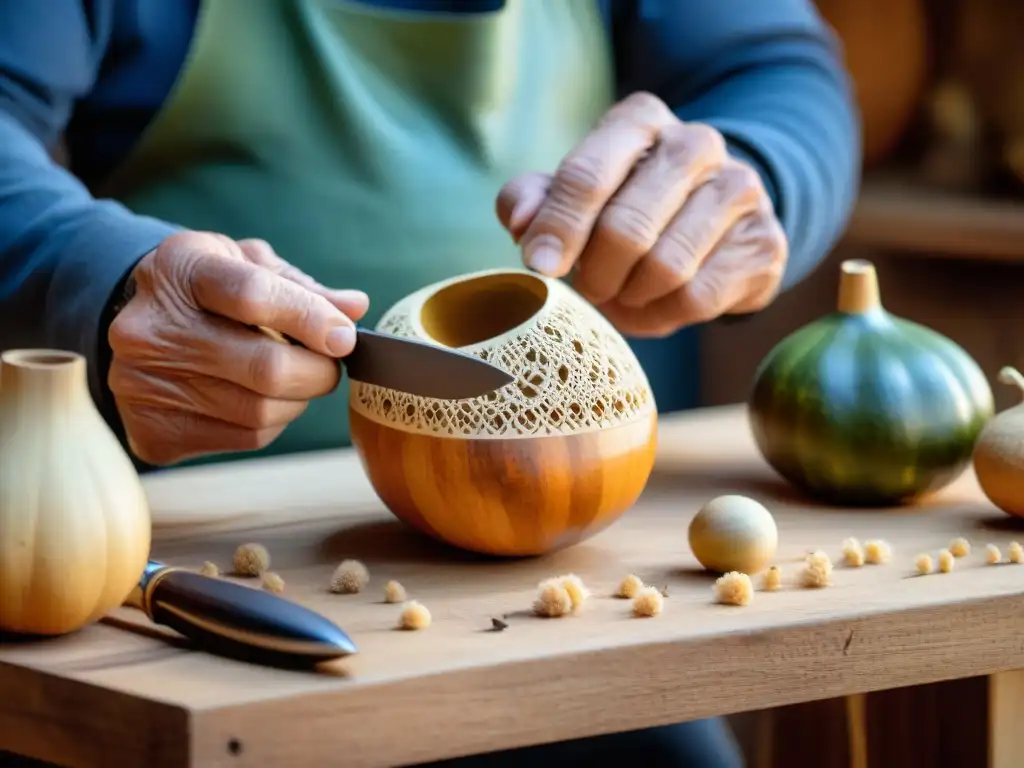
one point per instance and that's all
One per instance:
(647, 602)
(273, 582)
(350, 577)
(877, 552)
(414, 616)
(960, 547)
(250, 560)
(629, 586)
(734, 588)
(553, 600)
(853, 553)
(1015, 552)
(772, 579)
(924, 564)
(394, 593)
(946, 561)
(992, 554)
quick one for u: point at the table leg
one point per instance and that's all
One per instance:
(1006, 719)
(857, 729)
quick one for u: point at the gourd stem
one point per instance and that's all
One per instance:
(858, 287)
(1013, 377)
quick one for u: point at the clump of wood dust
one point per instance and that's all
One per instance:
(817, 571)
(350, 577)
(414, 616)
(877, 552)
(772, 579)
(924, 564)
(960, 547)
(272, 582)
(553, 600)
(250, 560)
(394, 592)
(648, 601)
(853, 553)
(946, 561)
(629, 586)
(734, 588)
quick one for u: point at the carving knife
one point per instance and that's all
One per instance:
(416, 367)
(229, 619)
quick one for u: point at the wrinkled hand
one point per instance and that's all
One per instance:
(663, 227)
(188, 375)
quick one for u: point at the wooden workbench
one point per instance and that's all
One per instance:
(113, 696)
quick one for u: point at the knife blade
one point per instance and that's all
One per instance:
(240, 622)
(415, 367)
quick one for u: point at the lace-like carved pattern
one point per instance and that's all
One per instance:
(574, 373)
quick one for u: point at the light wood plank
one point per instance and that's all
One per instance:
(1006, 719)
(895, 215)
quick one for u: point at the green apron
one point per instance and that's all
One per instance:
(366, 145)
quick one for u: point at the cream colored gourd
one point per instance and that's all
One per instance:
(74, 521)
(999, 453)
(546, 461)
(733, 533)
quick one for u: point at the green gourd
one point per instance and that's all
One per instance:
(863, 408)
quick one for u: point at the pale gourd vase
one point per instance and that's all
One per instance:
(545, 462)
(74, 521)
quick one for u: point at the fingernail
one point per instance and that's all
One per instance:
(543, 257)
(341, 340)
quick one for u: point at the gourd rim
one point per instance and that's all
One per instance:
(532, 290)
(40, 359)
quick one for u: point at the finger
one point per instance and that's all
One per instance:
(633, 220)
(353, 303)
(725, 279)
(587, 178)
(161, 438)
(217, 348)
(519, 200)
(712, 210)
(201, 396)
(254, 295)
(766, 236)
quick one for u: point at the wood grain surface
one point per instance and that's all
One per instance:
(122, 692)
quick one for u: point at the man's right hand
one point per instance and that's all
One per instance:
(191, 377)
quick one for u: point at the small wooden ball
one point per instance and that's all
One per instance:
(733, 533)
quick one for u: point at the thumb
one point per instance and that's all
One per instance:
(520, 199)
(353, 303)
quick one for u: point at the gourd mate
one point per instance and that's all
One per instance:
(546, 461)
(863, 408)
(74, 520)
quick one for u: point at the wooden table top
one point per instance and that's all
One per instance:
(110, 694)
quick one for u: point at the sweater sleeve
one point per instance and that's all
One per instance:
(62, 252)
(768, 74)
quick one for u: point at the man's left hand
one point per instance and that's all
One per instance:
(663, 227)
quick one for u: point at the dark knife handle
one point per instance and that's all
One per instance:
(242, 622)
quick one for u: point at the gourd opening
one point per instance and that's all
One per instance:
(39, 358)
(482, 308)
